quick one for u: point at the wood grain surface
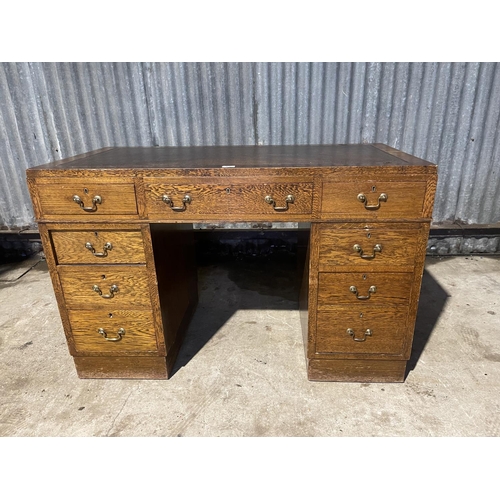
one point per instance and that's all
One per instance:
(388, 326)
(138, 325)
(417, 283)
(50, 257)
(153, 289)
(207, 198)
(356, 370)
(56, 198)
(250, 199)
(303, 267)
(154, 267)
(336, 252)
(127, 247)
(313, 273)
(126, 367)
(132, 281)
(430, 193)
(391, 288)
(404, 199)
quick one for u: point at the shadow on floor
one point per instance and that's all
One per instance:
(432, 301)
(226, 287)
(10, 272)
(277, 287)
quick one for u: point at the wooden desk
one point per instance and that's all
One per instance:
(116, 226)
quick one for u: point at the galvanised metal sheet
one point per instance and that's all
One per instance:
(448, 113)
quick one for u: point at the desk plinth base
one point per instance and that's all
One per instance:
(356, 370)
(126, 367)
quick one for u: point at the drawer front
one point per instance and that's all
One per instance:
(171, 200)
(98, 247)
(358, 289)
(87, 199)
(272, 199)
(361, 330)
(90, 287)
(366, 248)
(374, 199)
(126, 331)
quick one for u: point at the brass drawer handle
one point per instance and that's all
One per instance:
(288, 199)
(367, 333)
(187, 199)
(96, 200)
(376, 248)
(120, 333)
(112, 290)
(362, 199)
(107, 246)
(371, 290)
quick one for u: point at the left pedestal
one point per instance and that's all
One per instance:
(108, 288)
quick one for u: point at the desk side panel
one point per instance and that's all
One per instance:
(177, 278)
(50, 257)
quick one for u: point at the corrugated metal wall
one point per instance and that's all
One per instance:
(448, 113)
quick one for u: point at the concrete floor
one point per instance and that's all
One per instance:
(241, 371)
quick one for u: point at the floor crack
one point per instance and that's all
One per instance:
(119, 413)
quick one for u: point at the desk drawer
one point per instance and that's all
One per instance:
(272, 199)
(91, 287)
(168, 199)
(367, 248)
(86, 199)
(362, 330)
(358, 289)
(372, 199)
(98, 247)
(126, 331)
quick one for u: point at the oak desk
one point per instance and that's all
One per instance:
(116, 226)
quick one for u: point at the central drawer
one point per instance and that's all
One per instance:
(271, 199)
(235, 198)
(90, 287)
(113, 332)
(168, 198)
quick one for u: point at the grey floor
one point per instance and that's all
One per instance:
(241, 371)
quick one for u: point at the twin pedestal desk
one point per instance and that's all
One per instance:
(117, 230)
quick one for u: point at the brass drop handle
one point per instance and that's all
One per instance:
(376, 248)
(362, 198)
(107, 246)
(371, 290)
(96, 200)
(119, 334)
(288, 199)
(367, 333)
(112, 290)
(187, 199)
